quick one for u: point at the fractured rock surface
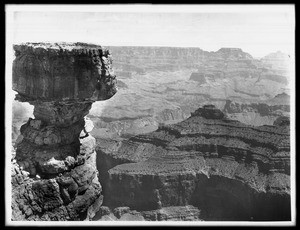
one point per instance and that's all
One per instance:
(174, 213)
(63, 71)
(228, 170)
(61, 81)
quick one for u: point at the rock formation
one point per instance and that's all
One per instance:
(137, 59)
(207, 167)
(54, 174)
(166, 78)
(279, 61)
(179, 213)
(259, 112)
(226, 62)
(226, 169)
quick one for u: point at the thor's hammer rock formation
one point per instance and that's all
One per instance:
(54, 174)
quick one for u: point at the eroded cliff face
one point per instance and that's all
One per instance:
(156, 81)
(129, 60)
(106, 127)
(225, 169)
(260, 112)
(54, 174)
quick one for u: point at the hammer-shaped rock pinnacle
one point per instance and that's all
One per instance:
(61, 80)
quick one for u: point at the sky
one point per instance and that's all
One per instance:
(258, 30)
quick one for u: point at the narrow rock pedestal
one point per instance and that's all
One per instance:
(54, 174)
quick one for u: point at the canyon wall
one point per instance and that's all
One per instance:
(154, 79)
(225, 169)
(259, 112)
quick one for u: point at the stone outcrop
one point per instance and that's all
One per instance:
(199, 77)
(108, 127)
(49, 72)
(262, 109)
(228, 170)
(55, 151)
(174, 213)
(260, 112)
(282, 121)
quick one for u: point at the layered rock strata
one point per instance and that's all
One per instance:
(55, 150)
(259, 113)
(226, 62)
(175, 213)
(228, 170)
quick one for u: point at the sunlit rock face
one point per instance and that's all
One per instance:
(227, 169)
(55, 160)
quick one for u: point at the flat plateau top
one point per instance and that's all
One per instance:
(65, 46)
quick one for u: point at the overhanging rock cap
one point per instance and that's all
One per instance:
(63, 71)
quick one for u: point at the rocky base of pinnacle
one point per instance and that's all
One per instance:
(71, 195)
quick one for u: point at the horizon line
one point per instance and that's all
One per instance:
(158, 46)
